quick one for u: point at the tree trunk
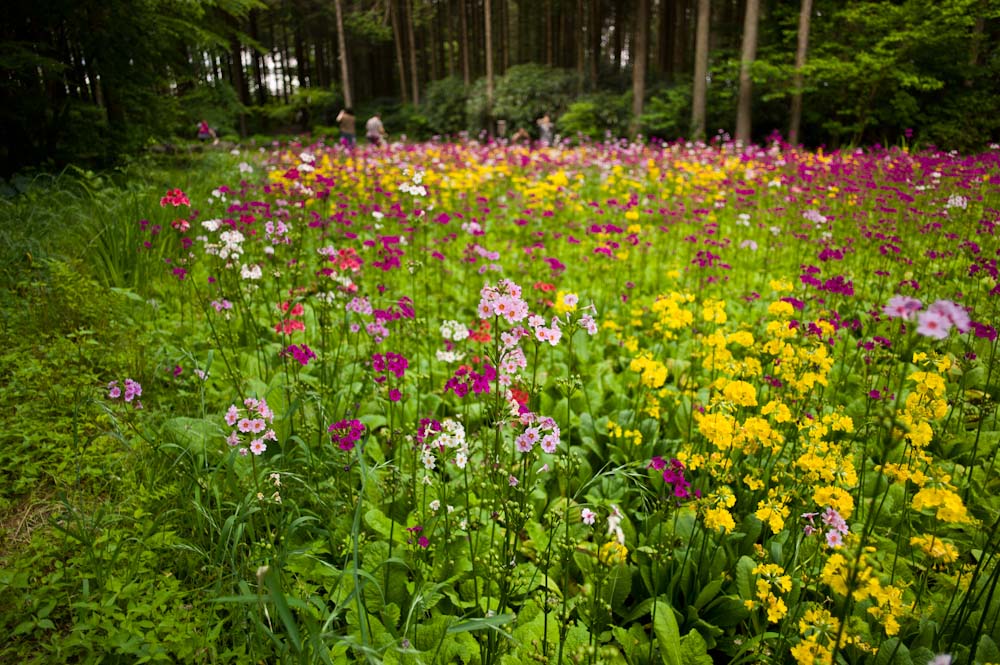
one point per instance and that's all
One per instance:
(397, 40)
(680, 35)
(978, 30)
(488, 36)
(258, 71)
(805, 13)
(345, 78)
(548, 33)
(239, 82)
(464, 24)
(749, 54)
(414, 80)
(641, 55)
(596, 24)
(700, 84)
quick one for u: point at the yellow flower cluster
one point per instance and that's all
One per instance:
(717, 515)
(652, 373)
(946, 504)
(771, 580)
(670, 315)
(615, 431)
(935, 548)
(774, 509)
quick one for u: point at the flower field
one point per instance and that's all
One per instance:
(618, 403)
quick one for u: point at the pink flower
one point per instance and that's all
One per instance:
(834, 539)
(902, 307)
(244, 425)
(932, 323)
(954, 312)
(588, 516)
(257, 446)
(232, 415)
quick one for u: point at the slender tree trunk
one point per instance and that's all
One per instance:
(414, 80)
(805, 13)
(978, 30)
(397, 34)
(744, 124)
(345, 76)
(488, 32)
(548, 33)
(239, 82)
(464, 24)
(700, 84)
(641, 55)
(680, 36)
(596, 23)
(618, 38)
(301, 61)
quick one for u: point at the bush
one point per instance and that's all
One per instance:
(668, 112)
(596, 116)
(444, 106)
(523, 94)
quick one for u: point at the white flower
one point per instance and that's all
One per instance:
(251, 272)
(614, 524)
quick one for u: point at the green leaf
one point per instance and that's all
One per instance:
(281, 607)
(694, 650)
(744, 577)
(668, 635)
(481, 623)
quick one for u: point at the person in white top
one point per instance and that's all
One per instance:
(375, 130)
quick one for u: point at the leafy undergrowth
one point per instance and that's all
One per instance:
(482, 404)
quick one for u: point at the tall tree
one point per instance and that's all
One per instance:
(805, 13)
(464, 38)
(397, 41)
(639, 58)
(488, 18)
(411, 38)
(700, 84)
(747, 57)
(345, 78)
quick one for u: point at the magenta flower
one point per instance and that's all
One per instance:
(345, 433)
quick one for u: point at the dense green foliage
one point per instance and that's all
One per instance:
(92, 83)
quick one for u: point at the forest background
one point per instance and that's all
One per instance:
(90, 82)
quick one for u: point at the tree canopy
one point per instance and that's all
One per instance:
(91, 81)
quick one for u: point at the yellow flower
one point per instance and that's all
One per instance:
(935, 548)
(719, 518)
(780, 309)
(740, 393)
(773, 510)
(948, 504)
(613, 552)
(836, 498)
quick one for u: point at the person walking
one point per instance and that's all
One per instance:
(375, 130)
(347, 121)
(545, 129)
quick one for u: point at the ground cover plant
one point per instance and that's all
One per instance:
(468, 403)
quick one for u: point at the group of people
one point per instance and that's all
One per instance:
(374, 129)
(377, 136)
